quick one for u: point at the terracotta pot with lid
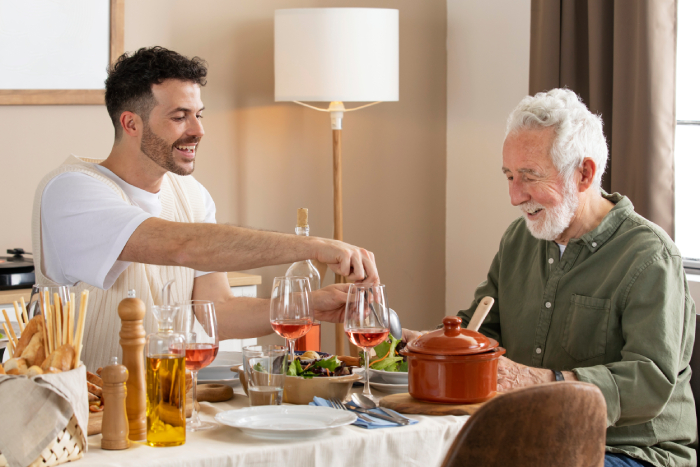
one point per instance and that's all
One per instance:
(453, 365)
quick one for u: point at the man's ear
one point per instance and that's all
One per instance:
(587, 170)
(131, 123)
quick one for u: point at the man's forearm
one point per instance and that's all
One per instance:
(243, 318)
(213, 247)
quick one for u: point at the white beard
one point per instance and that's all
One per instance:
(554, 220)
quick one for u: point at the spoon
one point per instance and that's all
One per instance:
(394, 322)
(367, 403)
(480, 314)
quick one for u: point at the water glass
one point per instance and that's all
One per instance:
(265, 367)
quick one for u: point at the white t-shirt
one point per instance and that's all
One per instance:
(561, 249)
(85, 226)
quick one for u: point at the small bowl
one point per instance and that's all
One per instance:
(391, 377)
(299, 390)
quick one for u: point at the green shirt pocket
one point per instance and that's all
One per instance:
(586, 327)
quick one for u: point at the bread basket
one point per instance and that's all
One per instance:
(68, 446)
(56, 398)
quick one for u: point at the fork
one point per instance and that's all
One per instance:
(338, 404)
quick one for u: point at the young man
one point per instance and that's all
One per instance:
(138, 218)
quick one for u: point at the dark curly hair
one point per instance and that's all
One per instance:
(129, 80)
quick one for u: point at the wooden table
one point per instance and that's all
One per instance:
(423, 444)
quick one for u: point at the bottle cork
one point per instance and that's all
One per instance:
(302, 217)
(132, 340)
(115, 425)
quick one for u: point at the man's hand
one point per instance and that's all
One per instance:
(409, 336)
(329, 303)
(513, 375)
(357, 264)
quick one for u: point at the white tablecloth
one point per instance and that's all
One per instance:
(422, 445)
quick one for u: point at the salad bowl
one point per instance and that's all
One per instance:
(390, 377)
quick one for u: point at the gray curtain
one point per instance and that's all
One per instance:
(620, 57)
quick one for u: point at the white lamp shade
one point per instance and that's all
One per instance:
(337, 54)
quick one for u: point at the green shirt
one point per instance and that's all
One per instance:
(616, 310)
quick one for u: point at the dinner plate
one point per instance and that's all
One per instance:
(391, 377)
(219, 371)
(389, 388)
(285, 421)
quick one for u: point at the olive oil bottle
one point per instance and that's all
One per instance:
(165, 382)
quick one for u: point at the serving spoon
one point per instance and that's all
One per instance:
(480, 314)
(367, 403)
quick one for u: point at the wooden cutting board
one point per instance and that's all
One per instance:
(404, 403)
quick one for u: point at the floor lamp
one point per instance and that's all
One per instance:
(337, 55)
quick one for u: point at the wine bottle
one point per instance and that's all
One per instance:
(312, 339)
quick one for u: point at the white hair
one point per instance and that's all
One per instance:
(578, 133)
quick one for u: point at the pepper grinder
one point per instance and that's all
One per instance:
(132, 340)
(115, 425)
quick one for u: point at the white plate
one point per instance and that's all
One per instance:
(389, 388)
(391, 377)
(285, 421)
(219, 371)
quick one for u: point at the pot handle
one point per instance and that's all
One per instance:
(453, 325)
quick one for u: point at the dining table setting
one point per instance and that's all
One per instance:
(174, 399)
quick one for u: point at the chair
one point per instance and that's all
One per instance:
(695, 368)
(553, 424)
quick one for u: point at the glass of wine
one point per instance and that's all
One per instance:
(366, 321)
(197, 320)
(291, 314)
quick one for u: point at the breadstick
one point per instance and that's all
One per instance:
(10, 344)
(49, 326)
(59, 319)
(45, 325)
(24, 310)
(64, 332)
(71, 319)
(81, 326)
(19, 319)
(12, 331)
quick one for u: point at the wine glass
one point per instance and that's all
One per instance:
(197, 320)
(366, 321)
(291, 315)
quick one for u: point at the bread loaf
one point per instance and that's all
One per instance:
(61, 358)
(18, 364)
(34, 370)
(34, 352)
(35, 325)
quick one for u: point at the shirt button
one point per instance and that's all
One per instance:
(538, 350)
(594, 244)
(548, 304)
(551, 260)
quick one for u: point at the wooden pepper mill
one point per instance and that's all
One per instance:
(132, 340)
(115, 425)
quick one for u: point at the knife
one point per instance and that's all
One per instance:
(378, 415)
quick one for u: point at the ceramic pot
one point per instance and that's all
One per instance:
(453, 365)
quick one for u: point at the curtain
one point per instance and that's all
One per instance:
(620, 57)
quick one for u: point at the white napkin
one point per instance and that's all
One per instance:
(36, 409)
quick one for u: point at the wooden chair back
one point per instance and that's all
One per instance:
(552, 424)
(695, 368)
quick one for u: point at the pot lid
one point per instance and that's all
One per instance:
(452, 340)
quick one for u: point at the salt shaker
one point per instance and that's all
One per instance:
(115, 425)
(132, 340)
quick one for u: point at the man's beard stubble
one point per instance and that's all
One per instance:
(556, 219)
(158, 150)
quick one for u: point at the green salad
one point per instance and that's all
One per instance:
(330, 366)
(387, 357)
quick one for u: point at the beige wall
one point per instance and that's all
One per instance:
(261, 160)
(488, 53)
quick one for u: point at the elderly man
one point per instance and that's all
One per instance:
(138, 218)
(586, 289)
